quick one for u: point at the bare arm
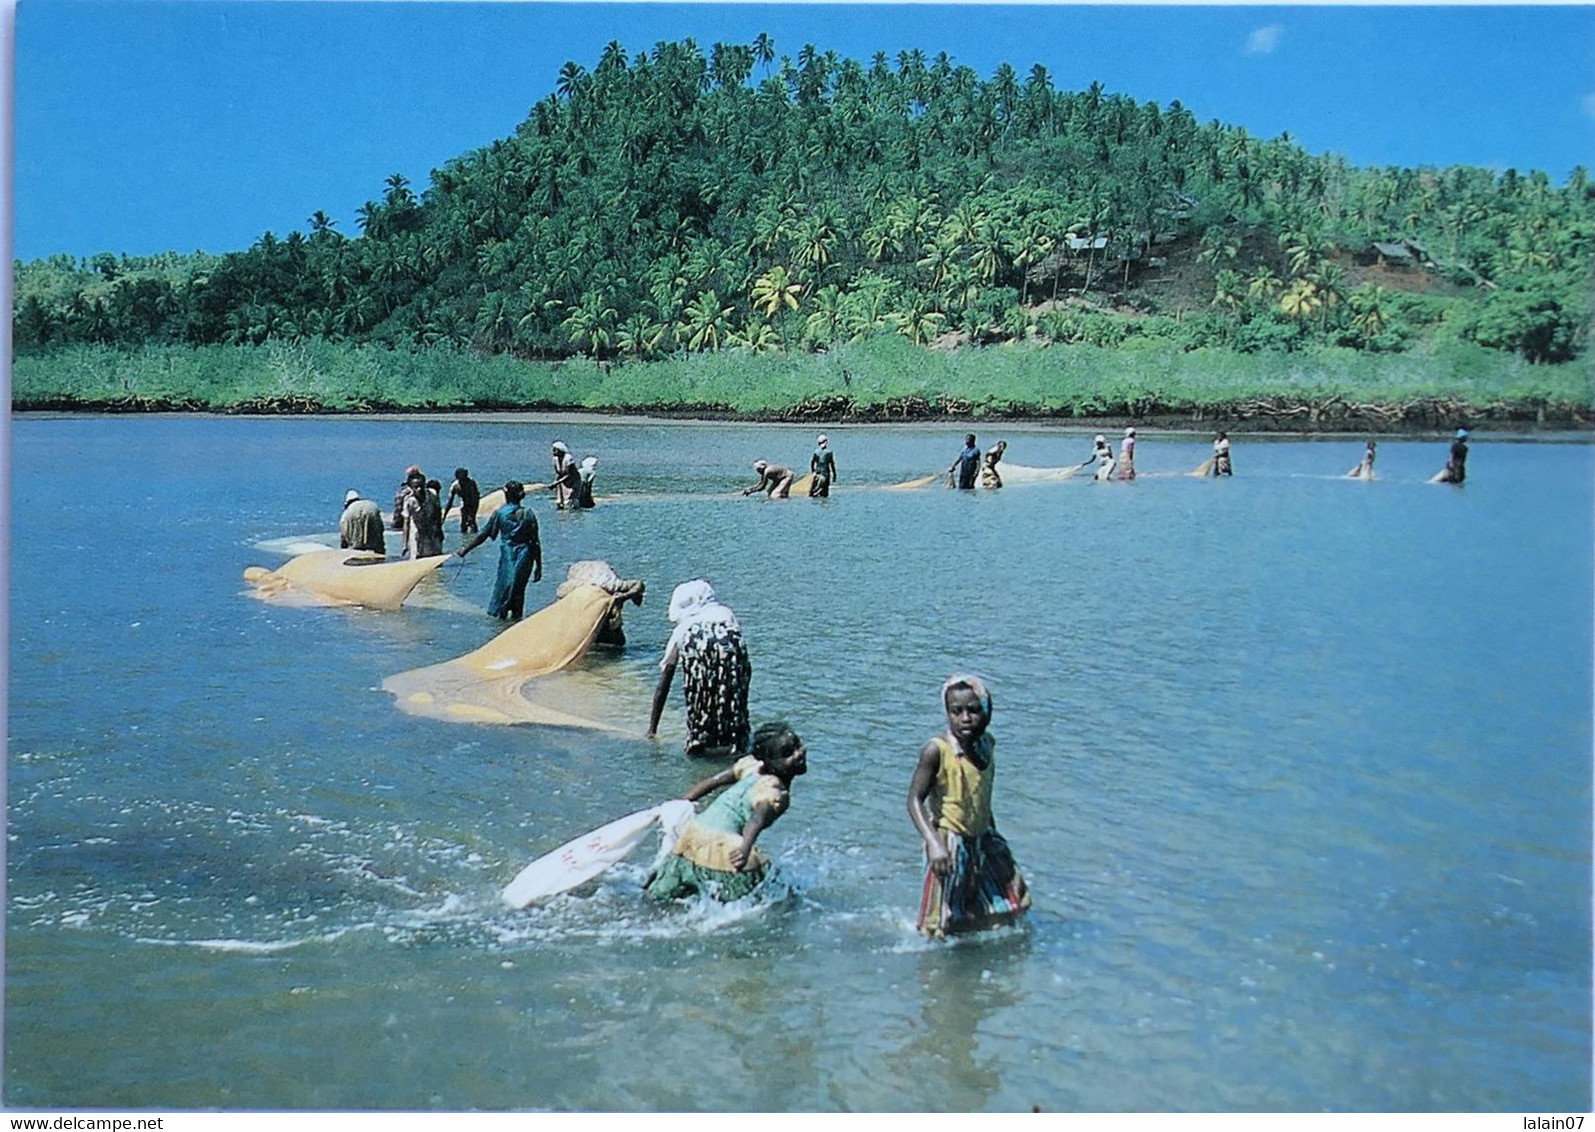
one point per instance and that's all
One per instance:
(924, 781)
(537, 558)
(762, 818)
(666, 674)
(711, 784)
(487, 533)
(764, 477)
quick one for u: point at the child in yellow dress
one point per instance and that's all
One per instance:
(971, 881)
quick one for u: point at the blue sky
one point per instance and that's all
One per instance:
(145, 126)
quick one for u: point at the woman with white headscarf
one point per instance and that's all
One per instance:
(971, 882)
(566, 476)
(707, 643)
(584, 486)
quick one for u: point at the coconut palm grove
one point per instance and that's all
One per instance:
(737, 230)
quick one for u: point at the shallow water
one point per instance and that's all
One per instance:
(1298, 770)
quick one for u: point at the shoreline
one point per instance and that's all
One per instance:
(1275, 416)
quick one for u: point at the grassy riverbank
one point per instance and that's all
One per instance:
(881, 379)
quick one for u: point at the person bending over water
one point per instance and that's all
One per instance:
(715, 854)
(989, 476)
(520, 553)
(774, 480)
(584, 486)
(966, 468)
(707, 641)
(971, 881)
(360, 525)
(1456, 465)
(1364, 468)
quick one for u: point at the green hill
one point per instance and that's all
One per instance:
(678, 202)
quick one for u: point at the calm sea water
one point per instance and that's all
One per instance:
(1298, 770)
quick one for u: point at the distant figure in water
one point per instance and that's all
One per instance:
(1221, 464)
(989, 476)
(1102, 456)
(707, 642)
(823, 464)
(402, 496)
(715, 854)
(520, 553)
(1364, 468)
(566, 476)
(584, 486)
(470, 497)
(774, 480)
(971, 881)
(423, 518)
(360, 525)
(1456, 465)
(435, 489)
(966, 468)
(1127, 455)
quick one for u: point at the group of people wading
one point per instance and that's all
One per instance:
(971, 881)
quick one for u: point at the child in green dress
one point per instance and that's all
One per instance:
(715, 853)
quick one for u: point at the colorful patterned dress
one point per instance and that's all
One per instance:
(716, 673)
(701, 859)
(983, 888)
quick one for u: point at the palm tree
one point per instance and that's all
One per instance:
(773, 290)
(764, 51)
(591, 323)
(708, 323)
(1300, 300)
(1229, 290)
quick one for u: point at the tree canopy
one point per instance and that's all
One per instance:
(674, 200)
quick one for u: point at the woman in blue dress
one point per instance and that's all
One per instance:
(520, 553)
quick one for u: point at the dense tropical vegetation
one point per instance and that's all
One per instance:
(675, 203)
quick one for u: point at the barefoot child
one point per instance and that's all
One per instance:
(971, 881)
(715, 853)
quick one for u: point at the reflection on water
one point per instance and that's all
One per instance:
(1296, 767)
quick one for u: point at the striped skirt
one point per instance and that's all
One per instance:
(981, 890)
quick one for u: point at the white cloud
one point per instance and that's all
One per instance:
(1264, 40)
(1589, 105)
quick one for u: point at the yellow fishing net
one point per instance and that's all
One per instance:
(515, 677)
(341, 577)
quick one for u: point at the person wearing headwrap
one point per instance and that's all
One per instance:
(596, 572)
(971, 881)
(520, 553)
(774, 480)
(1127, 455)
(989, 476)
(714, 854)
(1456, 465)
(584, 485)
(360, 525)
(566, 476)
(423, 518)
(707, 643)
(823, 464)
(1102, 456)
(1221, 464)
